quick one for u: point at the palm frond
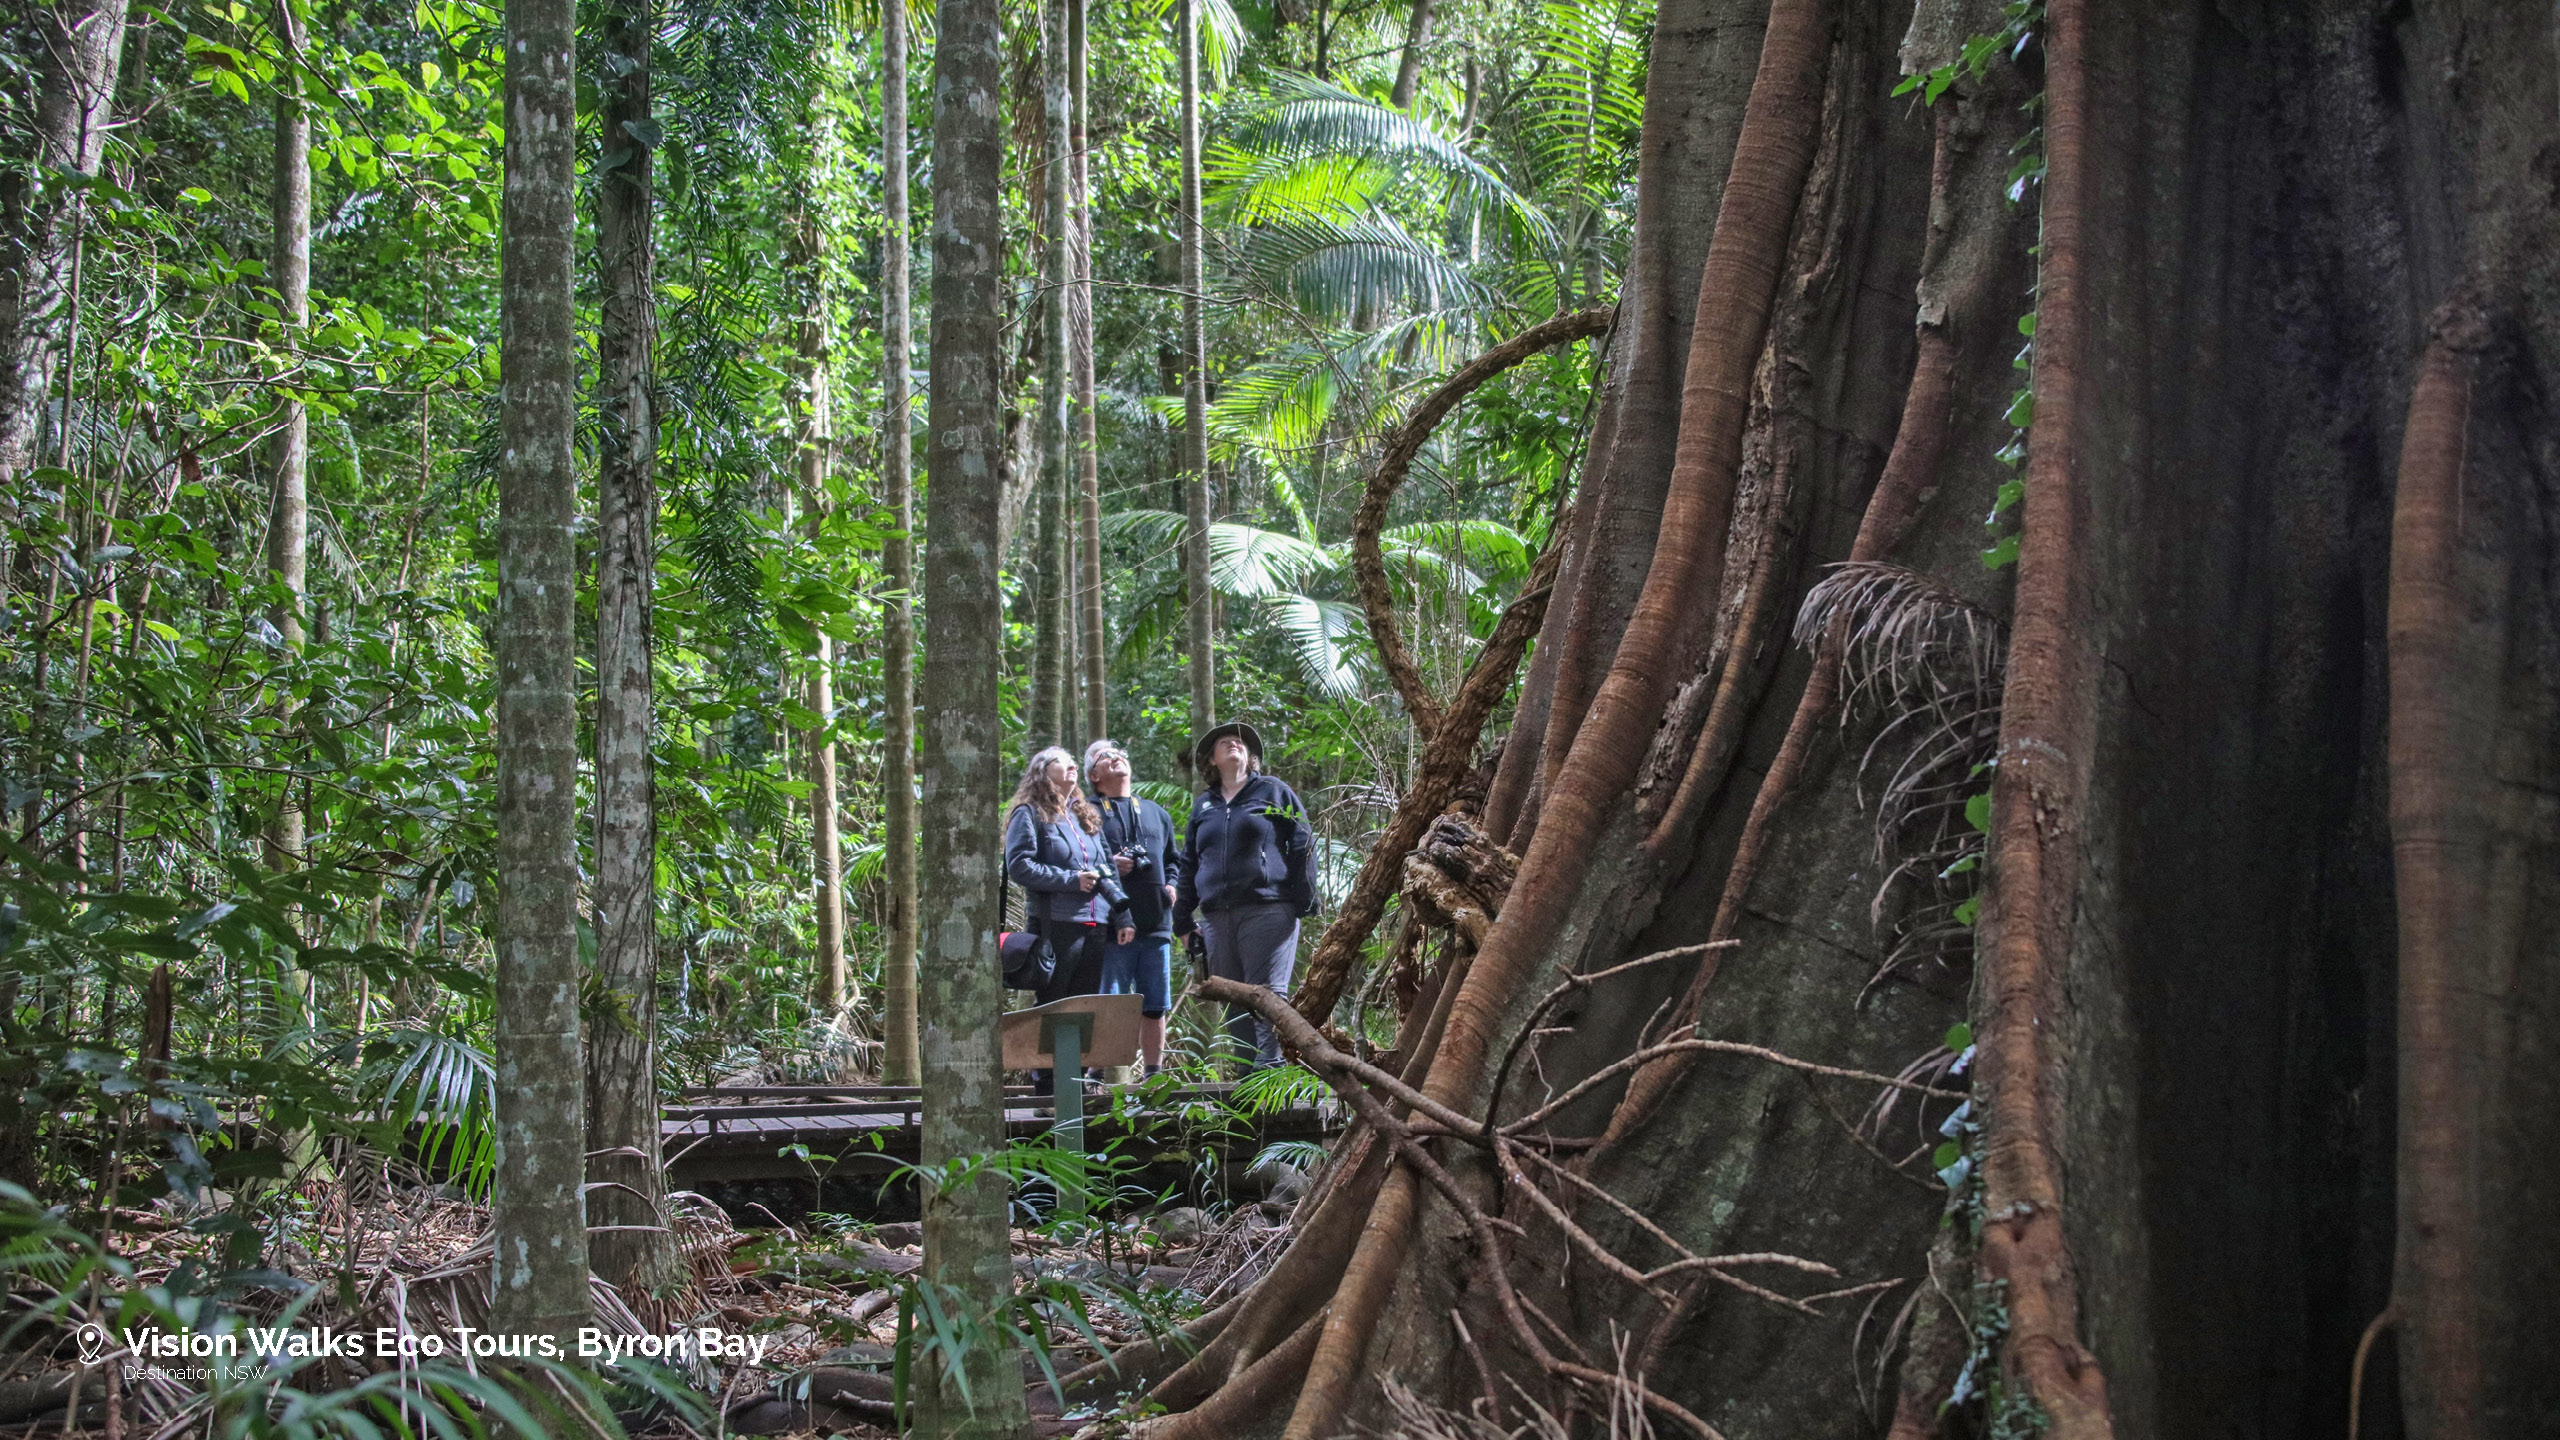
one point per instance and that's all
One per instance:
(1251, 563)
(1311, 134)
(1277, 405)
(1495, 547)
(1585, 104)
(1351, 269)
(1316, 630)
(1222, 36)
(446, 1088)
(1246, 562)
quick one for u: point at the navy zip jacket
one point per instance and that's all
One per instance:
(1136, 821)
(1237, 853)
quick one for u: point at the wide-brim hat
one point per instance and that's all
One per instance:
(1200, 748)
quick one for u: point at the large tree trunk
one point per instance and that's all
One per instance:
(622, 1044)
(538, 1215)
(966, 1240)
(1200, 624)
(2191, 977)
(79, 45)
(898, 641)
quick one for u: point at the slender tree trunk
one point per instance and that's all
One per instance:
(622, 1062)
(289, 270)
(817, 448)
(289, 507)
(538, 1216)
(1417, 34)
(1195, 388)
(1053, 674)
(897, 453)
(1093, 644)
(965, 1253)
(79, 47)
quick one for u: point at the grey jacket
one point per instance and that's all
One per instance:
(1043, 859)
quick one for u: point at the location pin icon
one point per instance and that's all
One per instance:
(93, 1342)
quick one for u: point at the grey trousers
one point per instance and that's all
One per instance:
(1258, 945)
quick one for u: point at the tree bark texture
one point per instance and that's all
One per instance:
(898, 639)
(2270, 202)
(1417, 35)
(2228, 1088)
(539, 1275)
(1199, 617)
(1093, 645)
(1737, 288)
(80, 47)
(962, 994)
(289, 271)
(622, 1040)
(2031, 855)
(817, 457)
(1053, 710)
(289, 499)
(2441, 800)
(1705, 56)
(1444, 761)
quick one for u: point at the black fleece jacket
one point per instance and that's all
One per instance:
(1252, 850)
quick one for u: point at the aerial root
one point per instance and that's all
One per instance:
(1393, 1111)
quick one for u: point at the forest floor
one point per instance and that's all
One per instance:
(819, 1308)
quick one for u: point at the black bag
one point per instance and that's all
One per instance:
(1024, 955)
(1029, 963)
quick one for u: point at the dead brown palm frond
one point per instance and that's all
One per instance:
(1912, 643)
(1236, 1253)
(1929, 662)
(1420, 1419)
(1416, 1418)
(1937, 1067)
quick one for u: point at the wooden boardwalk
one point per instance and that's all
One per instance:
(759, 1132)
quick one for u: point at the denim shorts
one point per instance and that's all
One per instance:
(1143, 966)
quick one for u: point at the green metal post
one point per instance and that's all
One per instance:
(1064, 1037)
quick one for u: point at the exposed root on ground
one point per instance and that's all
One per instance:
(1235, 1375)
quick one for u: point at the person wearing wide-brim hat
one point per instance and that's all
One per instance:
(1202, 749)
(1247, 868)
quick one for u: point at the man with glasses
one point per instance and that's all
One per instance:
(1138, 834)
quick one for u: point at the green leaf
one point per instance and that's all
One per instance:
(1977, 812)
(1959, 1037)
